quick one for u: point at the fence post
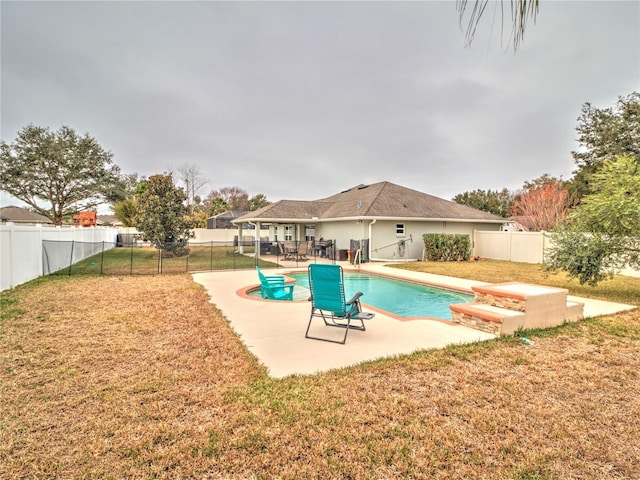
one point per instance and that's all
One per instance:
(40, 234)
(510, 237)
(474, 239)
(102, 258)
(71, 257)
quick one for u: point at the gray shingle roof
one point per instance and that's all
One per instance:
(229, 214)
(22, 215)
(379, 200)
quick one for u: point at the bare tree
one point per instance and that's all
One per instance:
(194, 182)
(235, 197)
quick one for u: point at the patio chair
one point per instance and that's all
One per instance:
(303, 249)
(326, 283)
(273, 287)
(290, 251)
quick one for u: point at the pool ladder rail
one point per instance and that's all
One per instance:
(358, 258)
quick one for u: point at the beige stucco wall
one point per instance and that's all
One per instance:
(384, 242)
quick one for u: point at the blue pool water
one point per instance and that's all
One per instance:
(402, 298)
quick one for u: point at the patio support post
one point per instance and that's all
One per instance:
(257, 242)
(240, 246)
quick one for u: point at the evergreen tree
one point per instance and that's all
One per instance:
(162, 215)
(57, 173)
(602, 234)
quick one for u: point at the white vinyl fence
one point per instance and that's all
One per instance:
(525, 247)
(22, 257)
(21, 252)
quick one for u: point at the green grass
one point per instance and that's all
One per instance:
(144, 260)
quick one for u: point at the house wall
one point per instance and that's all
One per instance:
(341, 232)
(385, 243)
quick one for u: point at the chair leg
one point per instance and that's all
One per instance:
(346, 327)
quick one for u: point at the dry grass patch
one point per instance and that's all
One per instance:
(141, 377)
(114, 377)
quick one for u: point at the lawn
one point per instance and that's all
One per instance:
(144, 260)
(141, 377)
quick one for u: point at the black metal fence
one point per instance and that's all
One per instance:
(139, 258)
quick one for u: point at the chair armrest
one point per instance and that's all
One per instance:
(355, 298)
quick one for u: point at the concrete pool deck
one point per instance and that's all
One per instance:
(273, 331)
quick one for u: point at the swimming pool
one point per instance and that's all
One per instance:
(399, 297)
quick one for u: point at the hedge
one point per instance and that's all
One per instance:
(440, 247)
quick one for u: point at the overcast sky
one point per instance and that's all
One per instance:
(300, 100)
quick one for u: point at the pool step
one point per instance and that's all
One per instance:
(502, 309)
(487, 318)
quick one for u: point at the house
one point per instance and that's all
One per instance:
(108, 220)
(85, 219)
(387, 221)
(21, 215)
(224, 219)
(521, 223)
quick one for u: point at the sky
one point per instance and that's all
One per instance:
(301, 100)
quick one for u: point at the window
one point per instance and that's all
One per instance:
(310, 232)
(288, 233)
(399, 229)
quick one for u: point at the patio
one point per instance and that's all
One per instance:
(274, 331)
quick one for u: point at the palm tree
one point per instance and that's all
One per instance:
(521, 11)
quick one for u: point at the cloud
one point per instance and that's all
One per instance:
(300, 100)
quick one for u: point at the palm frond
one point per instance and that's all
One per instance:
(521, 12)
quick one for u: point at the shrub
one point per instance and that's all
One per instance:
(440, 247)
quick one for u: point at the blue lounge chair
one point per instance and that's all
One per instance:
(326, 283)
(273, 287)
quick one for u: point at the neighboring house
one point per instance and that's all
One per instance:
(387, 219)
(518, 224)
(224, 219)
(108, 220)
(22, 215)
(85, 219)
